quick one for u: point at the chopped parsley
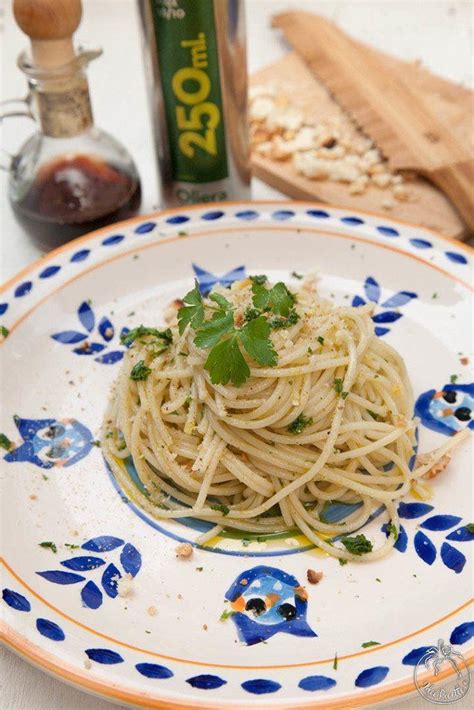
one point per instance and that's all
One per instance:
(320, 339)
(342, 561)
(71, 546)
(334, 663)
(373, 415)
(435, 295)
(221, 508)
(96, 442)
(377, 579)
(453, 379)
(245, 541)
(4, 331)
(5, 442)
(391, 529)
(358, 545)
(226, 615)
(296, 275)
(49, 546)
(142, 331)
(338, 386)
(277, 323)
(139, 371)
(199, 569)
(251, 313)
(300, 423)
(470, 528)
(368, 644)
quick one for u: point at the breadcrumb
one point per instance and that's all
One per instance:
(437, 467)
(184, 551)
(125, 585)
(314, 577)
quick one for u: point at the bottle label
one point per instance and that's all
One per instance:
(187, 48)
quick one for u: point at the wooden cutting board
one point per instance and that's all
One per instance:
(386, 106)
(428, 206)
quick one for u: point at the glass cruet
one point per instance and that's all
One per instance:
(69, 177)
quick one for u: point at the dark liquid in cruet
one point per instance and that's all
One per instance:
(73, 195)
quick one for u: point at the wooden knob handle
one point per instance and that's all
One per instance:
(48, 19)
(50, 25)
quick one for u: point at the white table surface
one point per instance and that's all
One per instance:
(439, 32)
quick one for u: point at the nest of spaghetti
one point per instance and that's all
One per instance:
(258, 408)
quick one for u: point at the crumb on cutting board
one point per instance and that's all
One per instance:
(333, 150)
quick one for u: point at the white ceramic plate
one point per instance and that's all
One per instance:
(61, 609)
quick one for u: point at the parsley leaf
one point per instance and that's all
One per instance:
(4, 331)
(277, 299)
(368, 644)
(212, 331)
(140, 371)
(338, 385)
(5, 442)
(255, 337)
(281, 299)
(320, 340)
(259, 280)
(358, 545)
(49, 546)
(470, 528)
(300, 423)
(453, 379)
(373, 415)
(221, 508)
(193, 311)
(342, 561)
(71, 546)
(142, 330)
(221, 301)
(392, 530)
(225, 363)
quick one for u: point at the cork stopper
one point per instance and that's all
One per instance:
(50, 25)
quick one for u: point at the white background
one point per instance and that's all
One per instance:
(439, 32)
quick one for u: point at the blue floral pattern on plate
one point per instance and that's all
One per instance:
(97, 338)
(91, 594)
(424, 546)
(373, 294)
